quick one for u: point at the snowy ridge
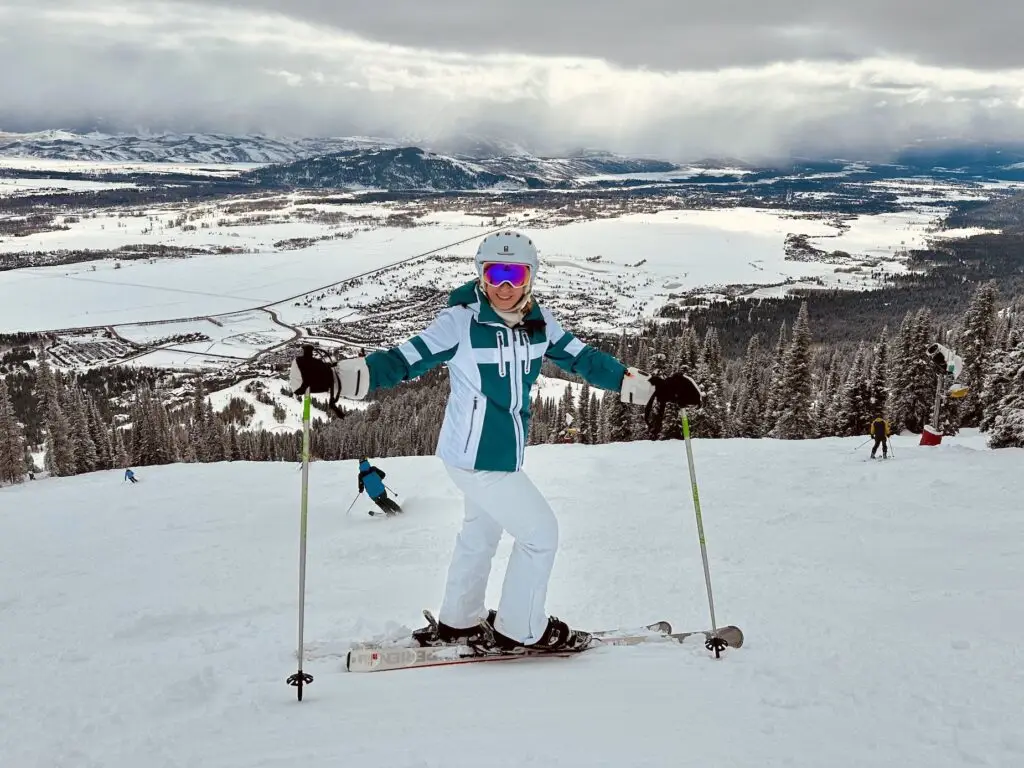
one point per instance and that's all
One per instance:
(414, 168)
(336, 161)
(174, 147)
(882, 623)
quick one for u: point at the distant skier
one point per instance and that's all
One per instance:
(880, 432)
(493, 336)
(130, 476)
(371, 480)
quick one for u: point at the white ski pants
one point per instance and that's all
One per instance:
(497, 502)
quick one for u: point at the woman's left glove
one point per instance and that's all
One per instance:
(638, 389)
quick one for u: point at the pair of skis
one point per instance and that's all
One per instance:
(377, 659)
(370, 657)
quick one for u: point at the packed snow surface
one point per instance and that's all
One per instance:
(155, 624)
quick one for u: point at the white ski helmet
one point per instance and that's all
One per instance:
(509, 247)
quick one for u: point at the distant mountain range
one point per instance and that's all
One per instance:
(478, 163)
(414, 168)
(175, 147)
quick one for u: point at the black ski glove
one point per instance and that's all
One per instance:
(315, 375)
(311, 373)
(677, 388)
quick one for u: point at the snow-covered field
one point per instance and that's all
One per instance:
(49, 186)
(165, 289)
(239, 335)
(608, 271)
(114, 166)
(155, 624)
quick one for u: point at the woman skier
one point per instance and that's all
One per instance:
(493, 336)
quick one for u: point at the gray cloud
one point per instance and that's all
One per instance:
(432, 73)
(683, 34)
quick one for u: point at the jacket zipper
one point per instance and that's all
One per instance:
(526, 345)
(501, 353)
(517, 385)
(472, 419)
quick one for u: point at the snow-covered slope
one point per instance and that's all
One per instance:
(175, 147)
(155, 624)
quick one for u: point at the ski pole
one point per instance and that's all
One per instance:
(861, 445)
(714, 643)
(301, 678)
(391, 489)
(353, 502)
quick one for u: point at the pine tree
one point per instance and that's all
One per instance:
(853, 414)
(531, 430)
(556, 419)
(878, 392)
(121, 458)
(212, 427)
(751, 406)
(710, 419)
(595, 418)
(86, 457)
(615, 422)
(583, 415)
(100, 438)
(12, 444)
(1007, 429)
(671, 426)
(566, 411)
(60, 443)
(997, 380)
(974, 345)
(772, 399)
(198, 431)
(795, 396)
(826, 407)
(913, 375)
(46, 383)
(616, 419)
(688, 353)
(236, 449)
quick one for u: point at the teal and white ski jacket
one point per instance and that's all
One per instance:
(491, 370)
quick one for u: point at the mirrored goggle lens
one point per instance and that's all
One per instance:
(516, 275)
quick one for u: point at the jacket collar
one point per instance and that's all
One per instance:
(472, 296)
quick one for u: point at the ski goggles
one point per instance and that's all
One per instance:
(516, 275)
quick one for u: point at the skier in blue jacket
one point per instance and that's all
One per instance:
(493, 337)
(371, 480)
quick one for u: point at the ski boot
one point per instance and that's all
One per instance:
(557, 638)
(438, 633)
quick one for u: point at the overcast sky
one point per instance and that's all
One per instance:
(678, 79)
